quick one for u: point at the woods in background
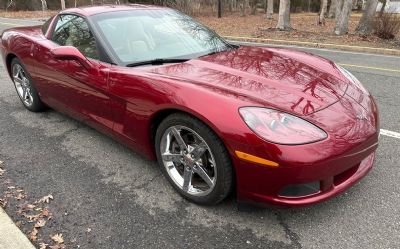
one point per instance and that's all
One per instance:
(340, 10)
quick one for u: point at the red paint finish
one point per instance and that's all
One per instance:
(124, 102)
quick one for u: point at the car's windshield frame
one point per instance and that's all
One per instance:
(94, 19)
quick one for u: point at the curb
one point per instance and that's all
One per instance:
(385, 51)
(10, 235)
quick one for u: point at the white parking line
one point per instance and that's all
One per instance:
(390, 133)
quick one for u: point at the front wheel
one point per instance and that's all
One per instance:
(194, 159)
(25, 89)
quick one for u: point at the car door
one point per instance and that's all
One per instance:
(68, 85)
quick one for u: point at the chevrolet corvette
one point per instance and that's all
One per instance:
(275, 125)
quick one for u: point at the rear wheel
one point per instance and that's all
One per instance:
(194, 159)
(23, 84)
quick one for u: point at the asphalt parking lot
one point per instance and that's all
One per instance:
(106, 196)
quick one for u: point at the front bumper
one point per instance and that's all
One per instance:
(262, 184)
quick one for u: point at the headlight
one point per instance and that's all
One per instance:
(352, 78)
(279, 127)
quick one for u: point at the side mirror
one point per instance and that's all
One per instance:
(71, 53)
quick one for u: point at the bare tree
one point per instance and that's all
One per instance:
(270, 9)
(62, 4)
(242, 7)
(44, 5)
(9, 4)
(365, 25)
(343, 11)
(253, 6)
(322, 14)
(384, 2)
(332, 9)
(284, 15)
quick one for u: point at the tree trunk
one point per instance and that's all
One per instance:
(365, 25)
(44, 5)
(332, 9)
(382, 8)
(322, 14)
(270, 9)
(62, 4)
(253, 6)
(284, 15)
(242, 7)
(343, 11)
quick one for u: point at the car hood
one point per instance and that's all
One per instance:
(291, 81)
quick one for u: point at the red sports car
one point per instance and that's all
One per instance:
(276, 125)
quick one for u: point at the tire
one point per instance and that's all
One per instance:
(24, 86)
(205, 153)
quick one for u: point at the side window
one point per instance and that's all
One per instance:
(46, 25)
(73, 31)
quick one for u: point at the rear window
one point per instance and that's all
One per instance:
(46, 25)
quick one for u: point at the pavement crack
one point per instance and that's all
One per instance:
(294, 237)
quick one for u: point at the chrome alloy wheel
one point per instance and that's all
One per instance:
(188, 160)
(22, 84)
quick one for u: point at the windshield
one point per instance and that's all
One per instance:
(142, 35)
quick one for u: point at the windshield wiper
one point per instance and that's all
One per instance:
(156, 62)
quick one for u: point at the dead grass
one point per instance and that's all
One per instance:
(27, 14)
(305, 29)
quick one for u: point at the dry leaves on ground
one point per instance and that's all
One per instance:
(33, 234)
(43, 245)
(2, 171)
(305, 26)
(46, 199)
(40, 223)
(58, 238)
(33, 216)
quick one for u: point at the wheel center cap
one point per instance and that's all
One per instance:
(188, 160)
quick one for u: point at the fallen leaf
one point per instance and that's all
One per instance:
(45, 213)
(46, 199)
(2, 171)
(32, 217)
(89, 230)
(3, 203)
(33, 234)
(11, 187)
(1, 162)
(40, 223)
(20, 196)
(18, 223)
(43, 245)
(58, 238)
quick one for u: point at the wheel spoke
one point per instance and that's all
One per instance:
(30, 96)
(193, 156)
(179, 138)
(199, 151)
(17, 74)
(17, 80)
(187, 179)
(203, 174)
(24, 93)
(172, 157)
